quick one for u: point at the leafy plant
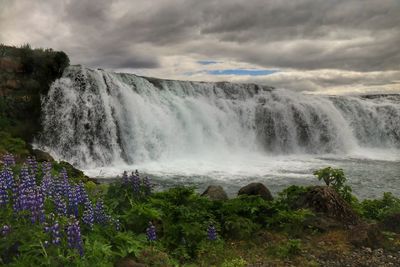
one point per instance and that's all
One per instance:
(378, 209)
(336, 179)
(185, 217)
(290, 195)
(290, 221)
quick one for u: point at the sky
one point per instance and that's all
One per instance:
(315, 46)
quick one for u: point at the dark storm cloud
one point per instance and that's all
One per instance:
(353, 35)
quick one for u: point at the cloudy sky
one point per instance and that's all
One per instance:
(319, 46)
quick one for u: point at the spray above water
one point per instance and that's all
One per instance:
(97, 118)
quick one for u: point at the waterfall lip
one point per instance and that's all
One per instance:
(95, 118)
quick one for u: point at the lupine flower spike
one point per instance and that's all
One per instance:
(151, 232)
(211, 233)
(74, 236)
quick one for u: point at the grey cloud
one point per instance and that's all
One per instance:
(352, 35)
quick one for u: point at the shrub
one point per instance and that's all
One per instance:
(290, 195)
(336, 179)
(185, 218)
(290, 221)
(378, 209)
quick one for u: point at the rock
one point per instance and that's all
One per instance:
(391, 223)
(215, 192)
(368, 250)
(325, 200)
(366, 235)
(256, 189)
(76, 173)
(42, 156)
(127, 262)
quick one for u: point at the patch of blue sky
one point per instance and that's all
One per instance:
(250, 72)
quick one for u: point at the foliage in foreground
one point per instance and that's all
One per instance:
(50, 219)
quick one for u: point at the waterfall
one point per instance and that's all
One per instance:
(98, 118)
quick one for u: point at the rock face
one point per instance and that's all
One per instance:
(326, 201)
(256, 189)
(215, 192)
(391, 223)
(25, 76)
(42, 156)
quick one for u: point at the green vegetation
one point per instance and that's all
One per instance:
(379, 209)
(336, 179)
(127, 221)
(25, 76)
(13, 145)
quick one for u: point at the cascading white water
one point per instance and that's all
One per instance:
(98, 118)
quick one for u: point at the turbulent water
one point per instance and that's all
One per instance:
(231, 133)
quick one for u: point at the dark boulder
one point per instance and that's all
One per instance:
(42, 156)
(326, 201)
(76, 173)
(366, 235)
(256, 189)
(391, 223)
(215, 192)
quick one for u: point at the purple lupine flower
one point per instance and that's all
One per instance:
(72, 201)
(60, 205)
(25, 195)
(46, 168)
(48, 186)
(26, 178)
(32, 200)
(37, 206)
(21, 195)
(147, 185)
(8, 160)
(151, 232)
(74, 236)
(82, 195)
(211, 233)
(5, 230)
(16, 190)
(99, 213)
(135, 182)
(125, 178)
(3, 196)
(4, 185)
(88, 214)
(6, 178)
(32, 165)
(55, 233)
(63, 185)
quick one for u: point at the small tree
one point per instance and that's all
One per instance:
(336, 179)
